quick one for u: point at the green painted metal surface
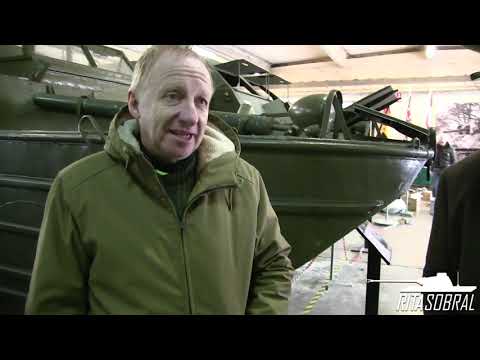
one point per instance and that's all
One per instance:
(423, 179)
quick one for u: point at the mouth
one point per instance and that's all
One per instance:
(186, 135)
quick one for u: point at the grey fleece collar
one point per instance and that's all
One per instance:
(214, 144)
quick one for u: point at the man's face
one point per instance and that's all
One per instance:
(441, 140)
(172, 107)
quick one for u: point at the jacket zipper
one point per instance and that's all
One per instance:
(181, 224)
(182, 229)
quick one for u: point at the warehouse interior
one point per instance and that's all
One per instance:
(431, 80)
(417, 95)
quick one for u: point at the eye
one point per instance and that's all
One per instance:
(172, 97)
(203, 102)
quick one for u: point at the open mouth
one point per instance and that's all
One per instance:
(182, 134)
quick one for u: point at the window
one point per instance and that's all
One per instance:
(71, 53)
(109, 59)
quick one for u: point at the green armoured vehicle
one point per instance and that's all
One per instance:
(336, 168)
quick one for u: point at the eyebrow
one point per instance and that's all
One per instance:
(184, 72)
(177, 83)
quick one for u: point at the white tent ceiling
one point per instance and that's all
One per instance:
(275, 54)
(352, 68)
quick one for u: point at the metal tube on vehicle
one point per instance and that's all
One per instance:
(82, 106)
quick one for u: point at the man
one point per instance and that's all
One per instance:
(444, 157)
(168, 219)
(454, 245)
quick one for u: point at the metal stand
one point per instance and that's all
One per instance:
(331, 262)
(373, 273)
(377, 249)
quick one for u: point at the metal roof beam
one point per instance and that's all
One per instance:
(233, 52)
(332, 83)
(337, 53)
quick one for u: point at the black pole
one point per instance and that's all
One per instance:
(373, 288)
(331, 262)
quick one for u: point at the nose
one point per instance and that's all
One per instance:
(188, 115)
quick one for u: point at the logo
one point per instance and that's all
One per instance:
(434, 293)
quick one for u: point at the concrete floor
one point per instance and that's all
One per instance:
(313, 292)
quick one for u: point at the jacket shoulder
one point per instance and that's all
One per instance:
(465, 172)
(247, 171)
(468, 167)
(84, 169)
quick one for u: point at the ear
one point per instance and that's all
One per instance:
(133, 105)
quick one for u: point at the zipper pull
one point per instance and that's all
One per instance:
(229, 199)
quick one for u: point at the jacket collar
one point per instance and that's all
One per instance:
(218, 153)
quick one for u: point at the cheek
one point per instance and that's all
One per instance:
(201, 127)
(159, 120)
(203, 122)
(153, 125)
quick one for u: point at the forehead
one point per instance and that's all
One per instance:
(173, 67)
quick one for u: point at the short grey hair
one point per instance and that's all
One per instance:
(152, 54)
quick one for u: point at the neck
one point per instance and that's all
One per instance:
(169, 167)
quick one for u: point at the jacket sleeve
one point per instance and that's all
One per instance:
(272, 269)
(440, 251)
(60, 272)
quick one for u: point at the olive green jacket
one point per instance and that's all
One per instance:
(111, 242)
